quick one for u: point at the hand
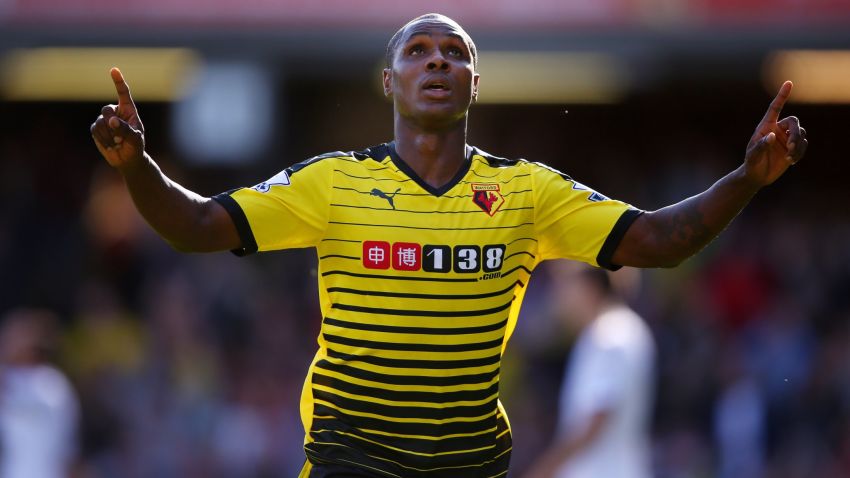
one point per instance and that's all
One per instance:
(776, 145)
(118, 132)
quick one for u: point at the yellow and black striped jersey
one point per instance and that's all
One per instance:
(420, 289)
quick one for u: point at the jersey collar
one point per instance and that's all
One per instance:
(438, 191)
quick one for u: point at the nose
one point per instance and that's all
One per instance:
(438, 61)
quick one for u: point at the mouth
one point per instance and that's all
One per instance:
(437, 86)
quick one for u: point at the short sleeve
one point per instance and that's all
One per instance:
(289, 210)
(575, 222)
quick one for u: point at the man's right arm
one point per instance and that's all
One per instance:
(187, 221)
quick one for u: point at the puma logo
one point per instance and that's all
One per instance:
(377, 192)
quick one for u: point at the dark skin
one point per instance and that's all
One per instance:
(189, 222)
(666, 237)
(432, 82)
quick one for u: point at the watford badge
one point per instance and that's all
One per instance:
(487, 197)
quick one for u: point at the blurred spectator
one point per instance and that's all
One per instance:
(38, 408)
(104, 352)
(739, 419)
(606, 394)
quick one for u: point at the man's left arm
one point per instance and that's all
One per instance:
(668, 236)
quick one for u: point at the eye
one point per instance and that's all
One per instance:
(455, 51)
(415, 50)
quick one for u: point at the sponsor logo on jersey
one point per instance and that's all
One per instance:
(279, 179)
(411, 257)
(594, 196)
(376, 255)
(389, 197)
(487, 197)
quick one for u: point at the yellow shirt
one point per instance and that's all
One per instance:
(420, 289)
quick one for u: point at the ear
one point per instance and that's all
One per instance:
(475, 79)
(388, 82)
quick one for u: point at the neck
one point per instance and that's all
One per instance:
(435, 154)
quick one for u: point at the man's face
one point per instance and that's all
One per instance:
(432, 77)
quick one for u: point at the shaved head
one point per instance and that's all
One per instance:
(396, 39)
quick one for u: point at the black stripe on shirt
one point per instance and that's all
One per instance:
(423, 313)
(237, 215)
(416, 364)
(408, 379)
(383, 345)
(339, 256)
(330, 460)
(376, 276)
(515, 226)
(386, 393)
(404, 411)
(389, 425)
(522, 239)
(370, 178)
(456, 451)
(388, 209)
(516, 269)
(506, 181)
(520, 252)
(606, 252)
(405, 295)
(395, 329)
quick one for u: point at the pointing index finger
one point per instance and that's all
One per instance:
(776, 105)
(121, 87)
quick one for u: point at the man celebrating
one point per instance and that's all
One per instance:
(425, 248)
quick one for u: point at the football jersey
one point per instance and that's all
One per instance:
(420, 288)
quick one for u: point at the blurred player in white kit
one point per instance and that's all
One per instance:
(38, 407)
(606, 395)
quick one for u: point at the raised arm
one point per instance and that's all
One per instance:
(666, 237)
(186, 220)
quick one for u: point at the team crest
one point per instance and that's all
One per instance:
(487, 197)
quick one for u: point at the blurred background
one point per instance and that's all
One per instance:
(191, 365)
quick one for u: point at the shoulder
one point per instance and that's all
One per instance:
(377, 153)
(548, 172)
(318, 169)
(621, 327)
(500, 162)
(541, 170)
(490, 165)
(497, 161)
(45, 381)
